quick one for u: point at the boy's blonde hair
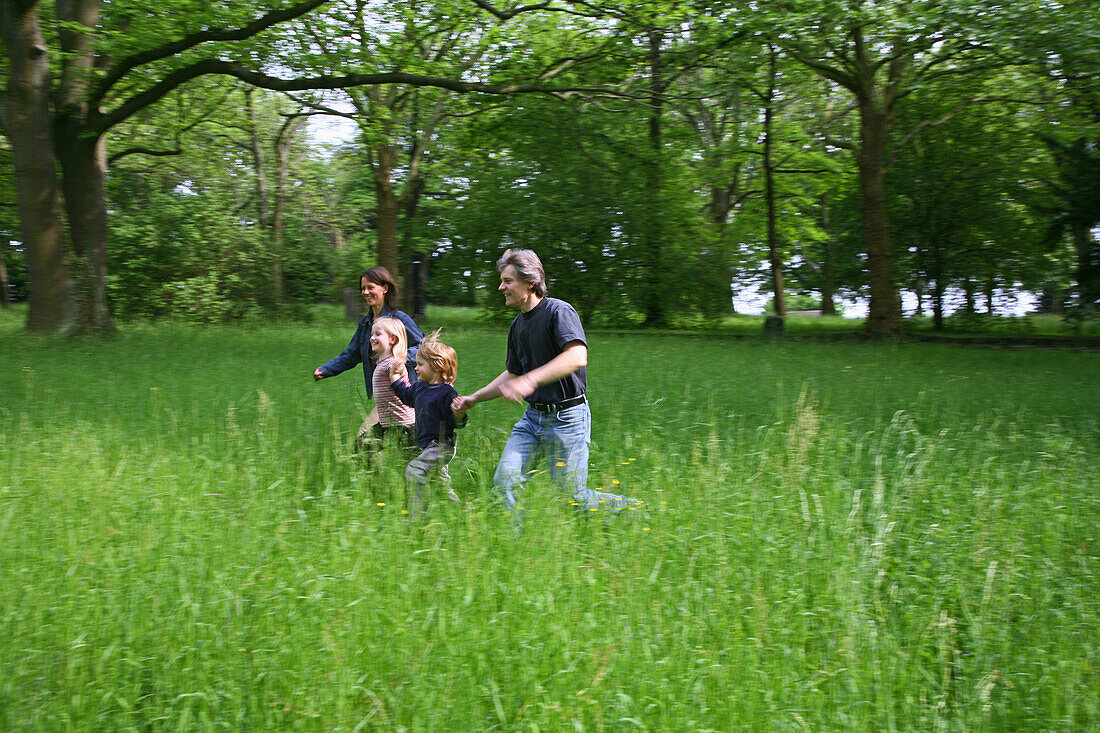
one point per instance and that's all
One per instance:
(439, 356)
(394, 327)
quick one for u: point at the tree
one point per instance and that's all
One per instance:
(115, 62)
(1075, 211)
(1067, 52)
(566, 184)
(957, 195)
(400, 123)
(882, 53)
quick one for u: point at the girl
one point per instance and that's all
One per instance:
(390, 416)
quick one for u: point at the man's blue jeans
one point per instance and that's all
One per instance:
(563, 437)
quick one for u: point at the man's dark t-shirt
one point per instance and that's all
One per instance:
(539, 335)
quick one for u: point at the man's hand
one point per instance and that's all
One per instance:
(518, 388)
(318, 374)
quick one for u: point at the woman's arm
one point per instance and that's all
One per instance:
(343, 361)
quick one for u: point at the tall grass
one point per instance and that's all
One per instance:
(853, 536)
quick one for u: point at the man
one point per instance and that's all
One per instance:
(546, 368)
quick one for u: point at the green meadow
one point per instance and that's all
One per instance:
(832, 536)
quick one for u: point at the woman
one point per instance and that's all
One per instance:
(380, 291)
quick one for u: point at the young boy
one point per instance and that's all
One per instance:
(436, 421)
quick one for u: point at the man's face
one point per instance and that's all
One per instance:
(516, 292)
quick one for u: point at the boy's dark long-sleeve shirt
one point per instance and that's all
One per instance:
(435, 420)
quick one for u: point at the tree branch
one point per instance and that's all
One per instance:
(509, 14)
(174, 48)
(104, 121)
(593, 12)
(142, 151)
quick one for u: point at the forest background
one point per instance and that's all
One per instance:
(662, 157)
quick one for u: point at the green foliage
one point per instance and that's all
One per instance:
(571, 186)
(959, 191)
(622, 221)
(795, 302)
(12, 256)
(203, 299)
(177, 248)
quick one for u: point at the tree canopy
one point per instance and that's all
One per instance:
(660, 157)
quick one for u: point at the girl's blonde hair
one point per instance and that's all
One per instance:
(439, 356)
(394, 327)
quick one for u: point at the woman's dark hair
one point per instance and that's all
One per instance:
(381, 276)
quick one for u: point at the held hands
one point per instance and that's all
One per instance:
(513, 389)
(398, 371)
(459, 405)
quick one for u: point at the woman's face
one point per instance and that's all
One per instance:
(373, 293)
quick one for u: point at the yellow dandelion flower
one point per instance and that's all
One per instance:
(633, 459)
(381, 503)
(560, 463)
(625, 463)
(616, 481)
(645, 529)
(404, 511)
(594, 509)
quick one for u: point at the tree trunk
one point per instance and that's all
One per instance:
(1058, 302)
(936, 274)
(1087, 276)
(29, 129)
(653, 235)
(84, 178)
(388, 208)
(283, 143)
(5, 297)
(968, 292)
(774, 257)
(256, 147)
(417, 277)
(828, 287)
(81, 151)
(884, 316)
(937, 306)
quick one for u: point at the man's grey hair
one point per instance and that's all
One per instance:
(528, 268)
